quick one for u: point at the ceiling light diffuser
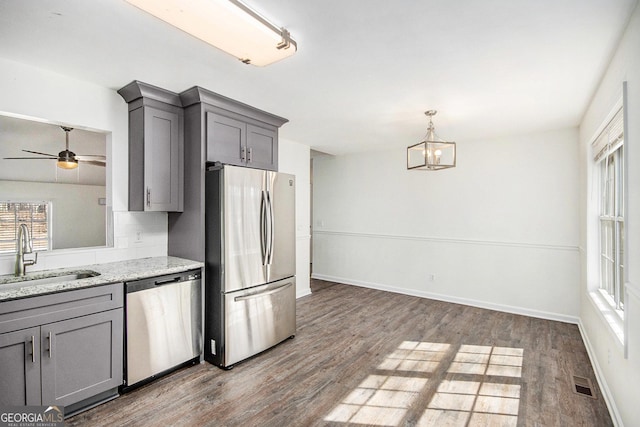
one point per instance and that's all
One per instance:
(229, 25)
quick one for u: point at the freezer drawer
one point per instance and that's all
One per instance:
(258, 318)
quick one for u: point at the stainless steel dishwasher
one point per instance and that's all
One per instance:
(163, 325)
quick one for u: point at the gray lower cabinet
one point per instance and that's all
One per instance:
(20, 368)
(79, 359)
(62, 349)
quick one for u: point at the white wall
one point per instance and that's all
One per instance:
(618, 375)
(293, 158)
(41, 94)
(499, 230)
(77, 218)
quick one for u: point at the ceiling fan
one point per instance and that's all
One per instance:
(66, 159)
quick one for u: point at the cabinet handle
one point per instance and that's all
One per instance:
(242, 148)
(249, 155)
(148, 196)
(50, 345)
(33, 349)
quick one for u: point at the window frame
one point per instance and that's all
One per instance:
(611, 226)
(612, 133)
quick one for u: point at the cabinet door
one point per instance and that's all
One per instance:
(226, 140)
(81, 357)
(262, 148)
(20, 367)
(162, 160)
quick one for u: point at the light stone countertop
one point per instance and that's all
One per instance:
(112, 272)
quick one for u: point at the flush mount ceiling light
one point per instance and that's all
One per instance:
(432, 153)
(229, 25)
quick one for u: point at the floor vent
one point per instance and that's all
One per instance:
(583, 387)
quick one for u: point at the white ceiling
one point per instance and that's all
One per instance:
(365, 70)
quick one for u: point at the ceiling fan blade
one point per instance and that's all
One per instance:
(97, 156)
(92, 162)
(42, 154)
(30, 158)
(88, 159)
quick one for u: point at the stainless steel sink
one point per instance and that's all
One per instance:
(68, 276)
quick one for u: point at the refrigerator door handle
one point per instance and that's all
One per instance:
(271, 228)
(264, 293)
(263, 229)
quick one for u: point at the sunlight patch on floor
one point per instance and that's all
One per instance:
(378, 400)
(414, 356)
(488, 360)
(484, 398)
(484, 402)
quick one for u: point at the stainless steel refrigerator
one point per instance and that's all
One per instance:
(250, 262)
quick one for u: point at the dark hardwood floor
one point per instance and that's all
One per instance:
(367, 357)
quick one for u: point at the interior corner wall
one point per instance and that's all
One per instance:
(294, 158)
(617, 374)
(498, 231)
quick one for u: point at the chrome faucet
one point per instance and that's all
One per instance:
(24, 246)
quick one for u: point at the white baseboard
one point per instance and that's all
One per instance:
(457, 300)
(602, 383)
(303, 292)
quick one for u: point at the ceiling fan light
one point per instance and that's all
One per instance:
(67, 164)
(67, 160)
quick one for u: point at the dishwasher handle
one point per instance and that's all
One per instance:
(166, 282)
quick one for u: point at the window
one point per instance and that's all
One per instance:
(609, 147)
(34, 214)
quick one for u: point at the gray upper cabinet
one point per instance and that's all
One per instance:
(226, 140)
(262, 148)
(236, 133)
(217, 129)
(62, 349)
(156, 148)
(238, 143)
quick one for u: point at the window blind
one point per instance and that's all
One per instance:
(611, 137)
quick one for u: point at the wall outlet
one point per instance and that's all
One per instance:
(138, 237)
(431, 277)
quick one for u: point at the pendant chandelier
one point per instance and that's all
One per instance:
(432, 153)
